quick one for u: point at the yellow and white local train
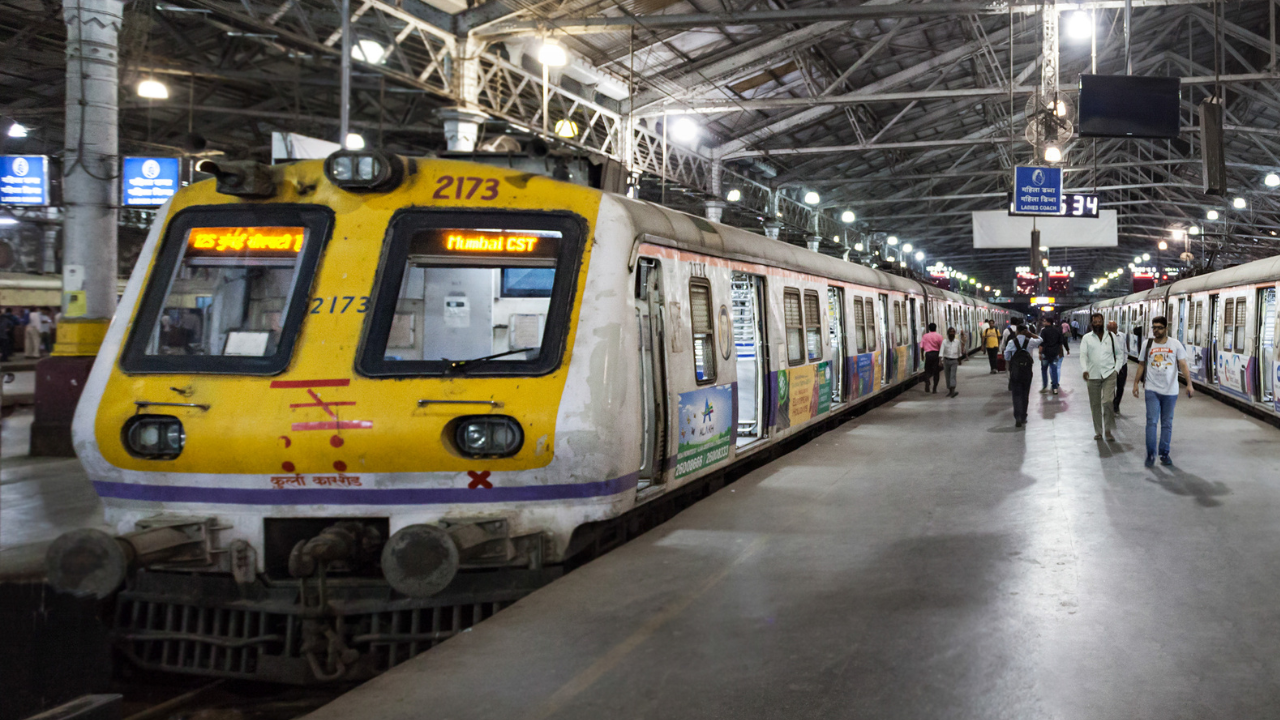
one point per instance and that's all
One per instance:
(1227, 320)
(347, 408)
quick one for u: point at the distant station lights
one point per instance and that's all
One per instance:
(734, 195)
(848, 216)
(906, 248)
(812, 198)
(552, 54)
(893, 240)
(857, 247)
(1080, 25)
(153, 89)
(1271, 180)
(1211, 215)
(920, 256)
(369, 51)
(1239, 203)
(1193, 230)
(685, 130)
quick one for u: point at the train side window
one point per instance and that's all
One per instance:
(702, 322)
(897, 324)
(1200, 323)
(812, 325)
(1241, 307)
(859, 326)
(794, 323)
(870, 317)
(1228, 325)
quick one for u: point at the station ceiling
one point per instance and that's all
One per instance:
(907, 113)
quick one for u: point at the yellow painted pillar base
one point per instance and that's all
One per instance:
(78, 337)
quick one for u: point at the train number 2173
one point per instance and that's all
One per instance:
(465, 188)
(339, 304)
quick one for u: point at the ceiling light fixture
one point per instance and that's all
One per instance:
(354, 141)
(1052, 154)
(17, 130)
(734, 195)
(812, 198)
(153, 89)
(848, 216)
(552, 54)
(685, 130)
(1239, 203)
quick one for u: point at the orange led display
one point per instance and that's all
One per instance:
(245, 241)
(487, 243)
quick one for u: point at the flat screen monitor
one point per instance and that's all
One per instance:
(1128, 106)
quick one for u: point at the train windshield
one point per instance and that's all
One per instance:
(471, 298)
(222, 291)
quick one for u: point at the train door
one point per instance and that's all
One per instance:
(653, 376)
(1266, 339)
(1211, 371)
(839, 344)
(1182, 320)
(915, 340)
(882, 329)
(752, 348)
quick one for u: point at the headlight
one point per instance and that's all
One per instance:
(488, 436)
(154, 437)
(363, 171)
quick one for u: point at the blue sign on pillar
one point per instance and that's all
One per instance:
(24, 180)
(149, 182)
(1037, 191)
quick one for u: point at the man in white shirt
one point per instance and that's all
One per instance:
(1101, 356)
(1018, 354)
(952, 354)
(1160, 362)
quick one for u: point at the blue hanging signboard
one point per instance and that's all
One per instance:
(24, 180)
(149, 182)
(1037, 191)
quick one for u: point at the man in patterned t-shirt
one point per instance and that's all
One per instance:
(1160, 362)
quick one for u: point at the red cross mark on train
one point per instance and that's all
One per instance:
(479, 479)
(328, 406)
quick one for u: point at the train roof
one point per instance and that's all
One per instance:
(1258, 271)
(673, 228)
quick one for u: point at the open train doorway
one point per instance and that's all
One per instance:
(1211, 368)
(839, 344)
(1266, 344)
(751, 348)
(653, 376)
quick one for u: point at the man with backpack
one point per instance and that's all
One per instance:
(1158, 368)
(1017, 351)
(1101, 355)
(1054, 343)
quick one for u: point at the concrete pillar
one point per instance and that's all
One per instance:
(715, 209)
(772, 228)
(814, 242)
(89, 264)
(461, 128)
(90, 161)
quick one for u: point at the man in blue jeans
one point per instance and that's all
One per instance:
(1159, 363)
(1050, 354)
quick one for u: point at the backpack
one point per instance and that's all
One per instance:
(1021, 366)
(1142, 368)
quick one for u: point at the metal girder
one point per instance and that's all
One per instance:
(614, 23)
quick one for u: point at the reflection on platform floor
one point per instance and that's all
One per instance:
(927, 560)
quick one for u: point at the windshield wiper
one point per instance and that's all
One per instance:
(455, 364)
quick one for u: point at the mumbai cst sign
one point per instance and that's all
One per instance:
(149, 181)
(24, 180)
(1037, 190)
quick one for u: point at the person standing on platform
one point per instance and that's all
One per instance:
(1066, 333)
(1101, 356)
(952, 356)
(931, 343)
(1123, 373)
(7, 323)
(1051, 349)
(1017, 353)
(991, 341)
(1158, 367)
(31, 340)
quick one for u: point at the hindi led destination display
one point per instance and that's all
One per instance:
(235, 242)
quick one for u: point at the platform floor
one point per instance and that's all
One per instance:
(927, 560)
(40, 498)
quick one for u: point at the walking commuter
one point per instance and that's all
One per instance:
(931, 343)
(1066, 333)
(952, 356)
(31, 340)
(1158, 367)
(1101, 357)
(1123, 375)
(1051, 349)
(1021, 370)
(991, 341)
